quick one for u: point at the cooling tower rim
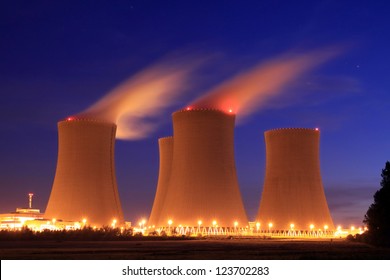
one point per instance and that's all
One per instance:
(165, 138)
(191, 110)
(86, 120)
(292, 129)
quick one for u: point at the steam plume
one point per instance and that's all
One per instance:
(248, 91)
(134, 103)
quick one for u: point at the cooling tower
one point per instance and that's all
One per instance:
(166, 153)
(203, 182)
(85, 184)
(293, 192)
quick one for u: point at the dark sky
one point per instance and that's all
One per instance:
(59, 57)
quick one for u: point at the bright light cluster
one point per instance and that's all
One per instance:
(202, 228)
(254, 228)
(53, 224)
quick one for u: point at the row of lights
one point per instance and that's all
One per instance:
(84, 221)
(270, 225)
(214, 223)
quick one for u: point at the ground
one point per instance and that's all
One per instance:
(198, 249)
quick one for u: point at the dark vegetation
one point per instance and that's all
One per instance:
(84, 234)
(377, 217)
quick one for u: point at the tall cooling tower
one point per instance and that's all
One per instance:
(166, 153)
(203, 182)
(85, 184)
(293, 192)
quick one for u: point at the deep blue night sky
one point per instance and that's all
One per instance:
(59, 57)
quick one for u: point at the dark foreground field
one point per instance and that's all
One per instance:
(192, 249)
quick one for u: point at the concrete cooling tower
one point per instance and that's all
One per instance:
(293, 194)
(85, 184)
(203, 183)
(166, 153)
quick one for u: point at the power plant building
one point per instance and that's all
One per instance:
(293, 195)
(202, 187)
(85, 186)
(19, 218)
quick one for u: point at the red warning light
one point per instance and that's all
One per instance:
(317, 129)
(70, 119)
(188, 108)
(230, 111)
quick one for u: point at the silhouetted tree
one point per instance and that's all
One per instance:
(377, 217)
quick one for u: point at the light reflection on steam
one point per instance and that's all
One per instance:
(250, 90)
(135, 104)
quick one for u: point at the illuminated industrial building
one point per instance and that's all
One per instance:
(19, 218)
(85, 184)
(293, 195)
(202, 189)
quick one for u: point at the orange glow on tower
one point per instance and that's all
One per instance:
(202, 183)
(85, 182)
(293, 189)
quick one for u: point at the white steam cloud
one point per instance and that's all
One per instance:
(135, 104)
(249, 91)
